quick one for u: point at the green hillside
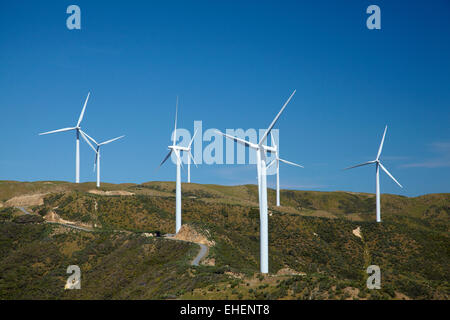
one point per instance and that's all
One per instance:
(314, 253)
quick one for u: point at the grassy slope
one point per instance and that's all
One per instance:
(411, 246)
(113, 265)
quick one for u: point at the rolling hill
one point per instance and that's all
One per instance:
(320, 243)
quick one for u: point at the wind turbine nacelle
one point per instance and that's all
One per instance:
(270, 149)
(178, 148)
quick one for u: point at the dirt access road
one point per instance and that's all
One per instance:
(201, 254)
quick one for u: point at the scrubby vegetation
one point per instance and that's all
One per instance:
(311, 235)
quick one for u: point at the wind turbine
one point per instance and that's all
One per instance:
(277, 161)
(78, 132)
(378, 165)
(261, 166)
(97, 154)
(177, 150)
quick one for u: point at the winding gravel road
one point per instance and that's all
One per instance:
(63, 224)
(23, 210)
(71, 226)
(200, 255)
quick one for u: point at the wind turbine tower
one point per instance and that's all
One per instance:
(177, 150)
(78, 132)
(261, 167)
(97, 154)
(378, 165)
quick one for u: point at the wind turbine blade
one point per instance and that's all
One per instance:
(273, 142)
(271, 163)
(109, 141)
(275, 120)
(167, 157)
(192, 157)
(175, 130)
(360, 165)
(87, 141)
(177, 153)
(291, 163)
(59, 130)
(192, 140)
(381, 144)
(82, 111)
(390, 175)
(239, 140)
(89, 137)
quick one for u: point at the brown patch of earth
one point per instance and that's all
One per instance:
(188, 233)
(111, 193)
(26, 200)
(357, 232)
(54, 217)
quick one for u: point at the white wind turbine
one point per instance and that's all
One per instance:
(79, 132)
(277, 162)
(97, 154)
(177, 150)
(378, 165)
(261, 166)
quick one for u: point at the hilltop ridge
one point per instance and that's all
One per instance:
(315, 252)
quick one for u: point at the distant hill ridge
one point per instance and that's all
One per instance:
(320, 203)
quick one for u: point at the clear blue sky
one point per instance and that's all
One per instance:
(233, 64)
